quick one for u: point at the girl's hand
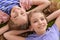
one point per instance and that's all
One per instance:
(3, 17)
(26, 4)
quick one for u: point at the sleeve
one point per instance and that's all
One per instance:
(7, 5)
(38, 38)
(28, 39)
(59, 34)
(33, 38)
(54, 28)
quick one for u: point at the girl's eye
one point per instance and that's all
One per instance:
(15, 15)
(22, 13)
(42, 19)
(34, 21)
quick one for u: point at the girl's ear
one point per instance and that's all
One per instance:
(12, 12)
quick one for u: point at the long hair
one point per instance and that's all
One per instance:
(13, 26)
(31, 13)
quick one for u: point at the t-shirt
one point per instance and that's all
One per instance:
(6, 5)
(59, 35)
(52, 33)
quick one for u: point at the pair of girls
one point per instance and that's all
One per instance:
(38, 24)
(7, 5)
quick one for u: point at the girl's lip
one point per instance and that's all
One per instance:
(41, 26)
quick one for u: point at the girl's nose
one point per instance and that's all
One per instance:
(23, 14)
(40, 22)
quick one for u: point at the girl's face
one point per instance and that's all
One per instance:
(18, 16)
(38, 22)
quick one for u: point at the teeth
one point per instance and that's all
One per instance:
(40, 27)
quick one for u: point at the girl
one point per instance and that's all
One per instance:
(17, 19)
(38, 24)
(7, 5)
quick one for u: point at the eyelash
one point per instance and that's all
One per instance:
(21, 13)
(34, 21)
(15, 15)
(42, 19)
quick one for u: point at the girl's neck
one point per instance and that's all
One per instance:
(41, 33)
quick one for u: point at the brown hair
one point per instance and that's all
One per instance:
(13, 26)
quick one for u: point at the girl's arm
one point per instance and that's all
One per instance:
(57, 22)
(4, 29)
(42, 4)
(53, 15)
(16, 32)
(12, 35)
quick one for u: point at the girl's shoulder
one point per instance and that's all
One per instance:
(51, 33)
(53, 29)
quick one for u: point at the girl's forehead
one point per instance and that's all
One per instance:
(37, 15)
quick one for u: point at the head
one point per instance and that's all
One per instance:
(18, 17)
(38, 22)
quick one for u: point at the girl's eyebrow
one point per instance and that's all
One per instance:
(34, 18)
(42, 17)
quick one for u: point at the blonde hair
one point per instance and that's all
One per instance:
(31, 13)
